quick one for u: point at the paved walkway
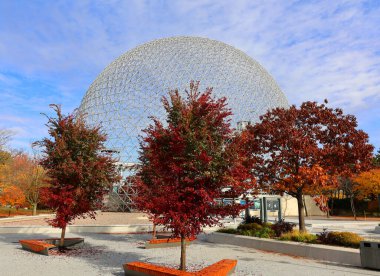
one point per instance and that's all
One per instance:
(103, 218)
(315, 224)
(105, 254)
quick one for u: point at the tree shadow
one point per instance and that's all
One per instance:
(105, 253)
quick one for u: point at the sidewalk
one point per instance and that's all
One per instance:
(102, 218)
(23, 218)
(365, 228)
(105, 255)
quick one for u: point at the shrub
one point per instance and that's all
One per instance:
(297, 236)
(340, 238)
(256, 230)
(282, 227)
(265, 232)
(250, 233)
(249, 226)
(228, 231)
(262, 233)
(267, 224)
(253, 219)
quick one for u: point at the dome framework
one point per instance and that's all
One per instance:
(129, 91)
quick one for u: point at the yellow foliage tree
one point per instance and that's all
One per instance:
(25, 173)
(369, 183)
(12, 195)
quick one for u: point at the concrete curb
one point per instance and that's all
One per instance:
(128, 228)
(335, 254)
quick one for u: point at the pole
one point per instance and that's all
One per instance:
(279, 210)
(261, 209)
(265, 209)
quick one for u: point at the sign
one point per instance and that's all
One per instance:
(256, 205)
(272, 205)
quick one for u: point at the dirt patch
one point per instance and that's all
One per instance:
(77, 251)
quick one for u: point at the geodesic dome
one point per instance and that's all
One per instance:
(130, 89)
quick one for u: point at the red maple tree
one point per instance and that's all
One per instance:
(301, 150)
(79, 168)
(189, 163)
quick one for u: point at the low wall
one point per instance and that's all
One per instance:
(22, 218)
(290, 206)
(135, 228)
(335, 254)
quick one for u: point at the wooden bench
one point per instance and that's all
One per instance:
(221, 268)
(36, 246)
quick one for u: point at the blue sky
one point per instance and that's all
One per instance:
(51, 51)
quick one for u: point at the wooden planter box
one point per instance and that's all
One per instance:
(221, 268)
(69, 242)
(43, 246)
(167, 242)
(36, 246)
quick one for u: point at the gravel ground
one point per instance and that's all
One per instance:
(103, 218)
(104, 255)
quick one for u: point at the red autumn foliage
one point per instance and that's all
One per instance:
(187, 163)
(80, 171)
(301, 150)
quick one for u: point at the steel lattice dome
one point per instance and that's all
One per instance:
(129, 90)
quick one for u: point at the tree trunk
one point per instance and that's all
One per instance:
(154, 235)
(332, 206)
(304, 206)
(62, 241)
(301, 212)
(247, 214)
(183, 254)
(34, 209)
(353, 206)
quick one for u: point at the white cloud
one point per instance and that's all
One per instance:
(314, 49)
